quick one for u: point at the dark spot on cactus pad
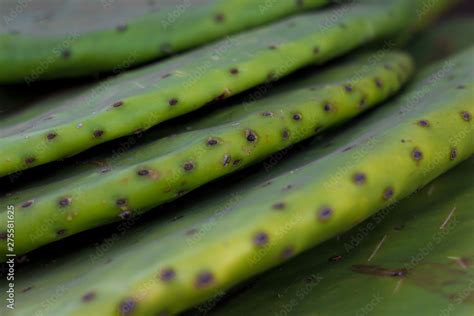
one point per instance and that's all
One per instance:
(127, 306)
(191, 231)
(125, 215)
(64, 202)
(416, 154)
(117, 104)
(212, 142)
(460, 87)
(204, 279)
(466, 116)
(250, 135)
(324, 214)
(27, 204)
(348, 88)
(227, 160)
(121, 202)
(272, 47)
(173, 101)
(165, 76)
(26, 289)
(316, 50)
(236, 162)
(359, 178)
(453, 154)
(287, 188)
(388, 193)
(3, 235)
(30, 160)
(143, 172)
(66, 53)
(167, 274)
(98, 133)
(121, 27)
(296, 117)
(260, 239)
(88, 297)
(234, 71)
(378, 83)
(327, 107)
(188, 166)
(267, 113)
(285, 134)
(335, 258)
(271, 76)
(278, 206)
(51, 136)
(348, 148)
(423, 123)
(378, 271)
(219, 17)
(287, 252)
(61, 232)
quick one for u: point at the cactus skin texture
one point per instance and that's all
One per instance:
(219, 144)
(225, 234)
(83, 37)
(424, 261)
(68, 123)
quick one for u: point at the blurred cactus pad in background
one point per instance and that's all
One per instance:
(236, 157)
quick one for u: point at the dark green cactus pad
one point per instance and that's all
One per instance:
(413, 258)
(200, 151)
(54, 39)
(237, 229)
(68, 123)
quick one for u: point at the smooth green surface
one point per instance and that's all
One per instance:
(55, 39)
(427, 237)
(110, 187)
(229, 232)
(68, 123)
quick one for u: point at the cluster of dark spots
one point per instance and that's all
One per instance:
(324, 213)
(296, 117)
(234, 71)
(278, 206)
(188, 166)
(267, 113)
(98, 133)
(388, 193)
(121, 27)
(316, 50)
(285, 134)
(260, 239)
(287, 252)
(30, 160)
(250, 135)
(88, 297)
(167, 274)
(335, 258)
(212, 142)
(66, 53)
(51, 135)
(117, 104)
(453, 154)
(416, 154)
(378, 83)
(423, 123)
(64, 202)
(466, 116)
(378, 271)
(61, 232)
(348, 88)
(227, 160)
(121, 202)
(27, 204)
(359, 178)
(204, 279)
(143, 172)
(173, 101)
(127, 306)
(219, 17)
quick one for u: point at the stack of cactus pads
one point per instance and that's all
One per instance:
(236, 157)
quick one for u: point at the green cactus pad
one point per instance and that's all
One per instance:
(164, 169)
(68, 123)
(231, 231)
(55, 39)
(412, 258)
